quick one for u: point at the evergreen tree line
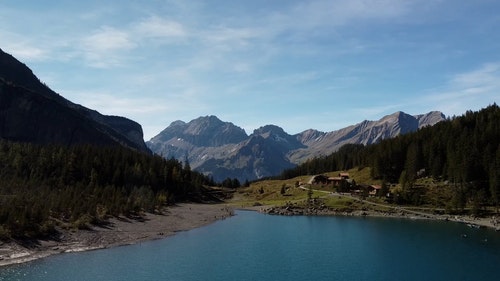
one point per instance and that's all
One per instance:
(462, 151)
(45, 186)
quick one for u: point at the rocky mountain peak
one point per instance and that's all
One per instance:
(430, 118)
(269, 130)
(204, 125)
(269, 149)
(177, 123)
(395, 117)
(206, 131)
(277, 134)
(309, 136)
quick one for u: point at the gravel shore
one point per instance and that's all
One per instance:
(183, 217)
(119, 231)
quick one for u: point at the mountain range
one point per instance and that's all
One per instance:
(31, 112)
(222, 149)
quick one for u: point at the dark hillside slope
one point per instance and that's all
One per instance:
(26, 116)
(24, 97)
(464, 152)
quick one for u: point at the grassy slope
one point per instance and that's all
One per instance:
(268, 192)
(437, 194)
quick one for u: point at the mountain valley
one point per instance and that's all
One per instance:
(223, 150)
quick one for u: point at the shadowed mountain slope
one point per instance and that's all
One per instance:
(223, 150)
(31, 112)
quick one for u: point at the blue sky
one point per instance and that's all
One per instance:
(296, 64)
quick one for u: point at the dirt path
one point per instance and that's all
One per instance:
(492, 222)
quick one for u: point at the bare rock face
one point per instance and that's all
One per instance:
(430, 118)
(31, 112)
(366, 132)
(203, 131)
(222, 150)
(198, 141)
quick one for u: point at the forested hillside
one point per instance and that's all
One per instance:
(463, 152)
(42, 187)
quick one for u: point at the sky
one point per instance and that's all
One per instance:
(296, 64)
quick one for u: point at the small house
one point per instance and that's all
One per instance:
(320, 179)
(335, 181)
(344, 175)
(374, 190)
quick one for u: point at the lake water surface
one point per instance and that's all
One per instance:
(257, 247)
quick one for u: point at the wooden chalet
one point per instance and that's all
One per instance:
(335, 181)
(374, 190)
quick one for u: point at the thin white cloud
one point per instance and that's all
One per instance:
(147, 111)
(21, 48)
(110, 46)
(108, 39)
(231, 36)
(157, 27)
(25, 52)
(309, 15)
(257, 42)
(113, 105)
(485, 78)
(481, 83)
(185, 56)
(345, 11)
(140, 107)
(470, 90)
(104, 46)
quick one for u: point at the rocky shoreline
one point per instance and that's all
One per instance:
(326, 211)
(118, 232)
(183, 217)
(322, 210)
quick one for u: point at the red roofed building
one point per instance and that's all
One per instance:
(373, 190)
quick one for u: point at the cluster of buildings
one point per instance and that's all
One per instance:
(342, 183)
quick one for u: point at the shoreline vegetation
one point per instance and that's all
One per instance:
(360, 208)
(119, 231)
(123, 231)
(396, 212)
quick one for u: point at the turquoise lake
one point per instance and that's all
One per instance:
(257, 247)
